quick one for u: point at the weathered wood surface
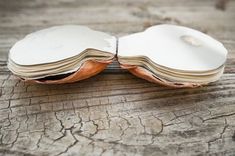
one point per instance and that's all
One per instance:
(115, 113)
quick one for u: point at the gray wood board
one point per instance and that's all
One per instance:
(116, 113)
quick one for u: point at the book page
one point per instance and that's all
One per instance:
(174, 47)
(59, 43)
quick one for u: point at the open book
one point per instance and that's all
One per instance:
(171, 55)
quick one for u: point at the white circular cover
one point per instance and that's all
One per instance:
(175, 47)
(58, 43)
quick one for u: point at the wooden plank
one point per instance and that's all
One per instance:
(116, 113)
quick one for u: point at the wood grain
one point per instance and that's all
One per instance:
(116, 113)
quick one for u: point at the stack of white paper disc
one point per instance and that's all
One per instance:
(59, 50)
(174, 54)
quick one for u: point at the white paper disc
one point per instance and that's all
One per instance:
(58, 43)
(175, 47)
